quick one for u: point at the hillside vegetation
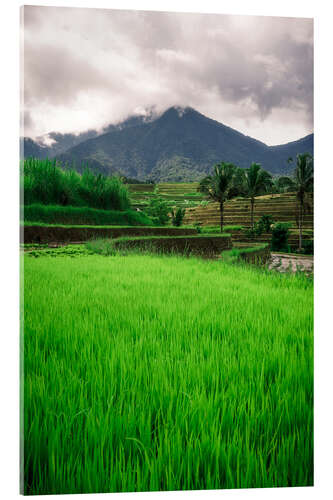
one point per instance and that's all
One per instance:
(44, 182)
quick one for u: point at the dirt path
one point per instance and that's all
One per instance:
(285, 262)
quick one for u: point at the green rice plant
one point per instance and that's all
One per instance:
(147, 245)
(216, 229)
(235, 254)
(101, 246)
(146, 373)
(68, 250)
(57, 214)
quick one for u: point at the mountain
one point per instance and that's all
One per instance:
(54, 143)
(291, 149)
(179, 145)
(30, 148)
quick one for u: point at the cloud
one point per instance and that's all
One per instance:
(85, 68)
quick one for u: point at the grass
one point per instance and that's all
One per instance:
(213, 229)
(68, 215)
(114, 226)
(68, 250)
(235, 254)
(217, 229)
(164, 373)
(145, 244)
(48, 181)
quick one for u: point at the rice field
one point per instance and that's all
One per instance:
(145, 373)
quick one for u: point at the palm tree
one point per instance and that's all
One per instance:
(257, 182)
(218, 186)
(302, 183)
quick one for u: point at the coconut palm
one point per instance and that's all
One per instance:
(219, 185)
(302, 183)
(257, 182)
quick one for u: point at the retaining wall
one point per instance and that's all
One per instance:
(208, 246)
(63, 234)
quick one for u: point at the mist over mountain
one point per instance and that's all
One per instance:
(179, 145)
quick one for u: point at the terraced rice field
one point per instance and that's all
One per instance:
(181, 194)
(282, 207)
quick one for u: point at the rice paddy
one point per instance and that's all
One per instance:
(150, 372)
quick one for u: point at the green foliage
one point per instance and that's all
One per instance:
(159, 209)
(282, 184)
(250, 232)
(164, 373)
(56, 214)
(265, 222)
(238, 187)
(198, 227)
(67, 250)
(303, 183)
(176, 169)
(149, 245)
(307, 247)
(234, 255)
(107, 247)
(43, 181)
(216, 229)
(257, 180)
(219, 186)
(303, 175)
(102, 246)
(280, 235)
(177, 216)
(263, 225)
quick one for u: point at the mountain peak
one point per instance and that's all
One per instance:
(179, 110)
(179, 144)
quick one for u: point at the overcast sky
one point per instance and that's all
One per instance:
(85, 68)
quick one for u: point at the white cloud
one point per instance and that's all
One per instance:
(85, 68)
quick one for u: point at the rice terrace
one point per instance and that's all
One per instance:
(160, 356)
(167, 251)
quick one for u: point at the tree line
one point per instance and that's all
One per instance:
(229, 181)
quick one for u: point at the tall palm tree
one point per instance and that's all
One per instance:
(257, 182)
(302, 183)
(218, 186)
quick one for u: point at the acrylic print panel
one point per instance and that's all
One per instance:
(167, 194)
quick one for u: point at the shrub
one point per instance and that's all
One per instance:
(159, 209)
(250, 233)
(308, 247)
(198, 227)
(265, 223)
(177, 216)
(280, 234)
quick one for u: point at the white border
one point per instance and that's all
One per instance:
(9, 133)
